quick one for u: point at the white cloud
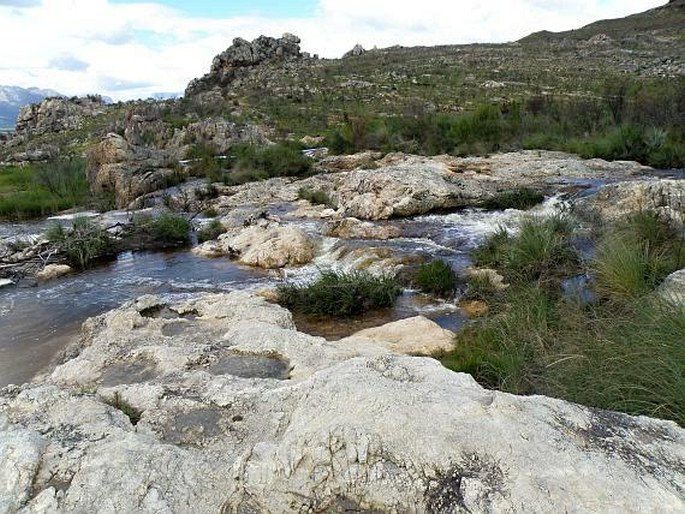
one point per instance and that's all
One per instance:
(134, 50)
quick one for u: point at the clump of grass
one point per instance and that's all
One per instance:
(623, 351)
(341, 294)
(542, 250)
(636, 256)
(521, 199)
(163, 231)
(85, 242)
(437, 277)
(119, 403)
(316, 197)
(210, 231)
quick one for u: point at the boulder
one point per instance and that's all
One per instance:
(52, 271)
(672, 289)
(407, 186)
(614, 202)
(356, 51)
(270, 246)
(410, 336)
(220, 134)
(216, 403)
(57, 114)
(243, 55)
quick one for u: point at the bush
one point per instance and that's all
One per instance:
(520, 199)
(437, 278)
(340, 294)
(163, 231)
(317, 197)
(210, 231)
(82, 244)
(281, 160)
(41, 190)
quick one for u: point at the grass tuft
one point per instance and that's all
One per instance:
(341, 294)
(437, 277)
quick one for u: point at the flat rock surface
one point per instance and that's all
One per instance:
(239, 412)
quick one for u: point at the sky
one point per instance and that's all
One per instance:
(128, 49)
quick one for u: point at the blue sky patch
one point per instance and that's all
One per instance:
(227, 9)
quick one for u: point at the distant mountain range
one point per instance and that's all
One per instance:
(13, 98)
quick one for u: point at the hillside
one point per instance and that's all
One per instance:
(558, 91)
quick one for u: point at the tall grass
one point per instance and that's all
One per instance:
(541, 250)
(636, 256)
(437, 277)
(623, 351)
(41, 190)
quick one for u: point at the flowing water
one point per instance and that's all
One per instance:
(36, 321)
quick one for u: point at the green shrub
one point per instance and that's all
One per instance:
(438, 277)
(627, 357)
(340, 294)
(82, 244)
(521, 199)
(317, 197)
(280, 160)
(210, 231)
(163, 231)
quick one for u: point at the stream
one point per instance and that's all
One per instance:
(38, 320)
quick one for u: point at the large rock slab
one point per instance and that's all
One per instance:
(342, 429)
(407, 187)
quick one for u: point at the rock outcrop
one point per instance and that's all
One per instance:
(57, 114)
(127, 171)
(356, 51)
(217, 404)
(243, 55)
(614, 202)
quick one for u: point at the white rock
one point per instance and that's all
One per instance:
(672, 289)
(52, 271)
(411, 336)
(273, 246)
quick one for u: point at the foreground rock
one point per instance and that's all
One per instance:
(411, 336)
(351, 429)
